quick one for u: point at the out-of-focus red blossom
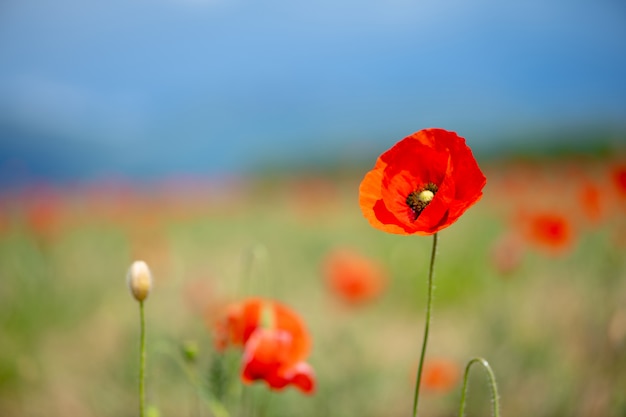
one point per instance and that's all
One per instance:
(440, 375)
(276, 342)
(507, 253)
(551, 231)
(233, 323)
(44, 215)
(422, 185)
(269, 356)
(591, 202)
(239, 320)
(618, 175)
(352, 276)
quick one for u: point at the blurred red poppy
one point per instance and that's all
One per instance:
(275, 339)
(352, 276)
(44, 215)
(440, 375)
(619, 179)
(269, 355)
(423, 184)
(548, 230)
(240, 319)
(590, 197)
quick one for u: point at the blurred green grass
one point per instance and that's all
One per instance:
(69, 327)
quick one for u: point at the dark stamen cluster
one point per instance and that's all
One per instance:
(414, 202)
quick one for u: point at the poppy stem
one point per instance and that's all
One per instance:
(142, 360)
(427, 324)
(492, 381)
(252, 262)
(202, 386)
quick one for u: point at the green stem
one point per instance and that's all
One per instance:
(492, 381)
(427, 325)
(215, 406)
(142, 361)
(253, 260)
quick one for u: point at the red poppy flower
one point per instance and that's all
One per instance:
(44, 215)
(239, 320)
(619, 179)
(275, 339)
(590, 196)
(352, 276)
(423, 184)
(440, 375)
(269, 355)
(548, 230)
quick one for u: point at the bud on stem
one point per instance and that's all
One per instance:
(139, 280)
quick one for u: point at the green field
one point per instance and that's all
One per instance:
(553, 328)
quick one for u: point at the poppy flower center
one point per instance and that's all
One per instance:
(420, 198)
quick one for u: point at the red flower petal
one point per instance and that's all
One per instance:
(268, 357)
(264, 353)
(302, 376)
(370, 196)
(240, 320)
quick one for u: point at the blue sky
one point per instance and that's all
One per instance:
(140, 87)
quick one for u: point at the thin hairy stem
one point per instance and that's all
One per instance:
(142, 361)
(495, 402)
(426, 326)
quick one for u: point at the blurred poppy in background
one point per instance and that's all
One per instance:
(593, 207)
(269, 355)
(45, 211)
(548, 230)
(353, 277)
(618, 175)
(440, 375)
(423, 184)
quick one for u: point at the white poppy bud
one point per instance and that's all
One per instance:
(139, 280)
